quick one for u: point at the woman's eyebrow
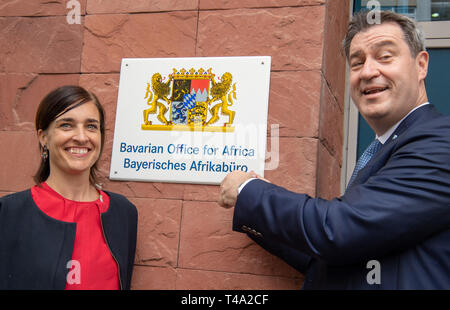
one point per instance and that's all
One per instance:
(65, 119)
(70, 119)
(92, 120)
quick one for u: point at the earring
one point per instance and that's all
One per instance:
(44, 153)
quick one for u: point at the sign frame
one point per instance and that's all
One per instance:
(190, 120)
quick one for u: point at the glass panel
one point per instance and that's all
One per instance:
(438, 77)
(440, 10)
(420, 10)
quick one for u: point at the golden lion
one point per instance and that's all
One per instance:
(160, 91)
(219, 92)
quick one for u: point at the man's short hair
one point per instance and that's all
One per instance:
(362, 21)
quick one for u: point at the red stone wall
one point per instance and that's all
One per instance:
(184, 240)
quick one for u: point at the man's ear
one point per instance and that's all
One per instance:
(422, 64)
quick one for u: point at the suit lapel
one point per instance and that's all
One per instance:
(420, 115)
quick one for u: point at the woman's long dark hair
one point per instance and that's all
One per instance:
(56, 103)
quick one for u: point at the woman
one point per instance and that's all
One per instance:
(65, 232)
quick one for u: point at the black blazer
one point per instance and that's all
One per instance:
(35, 248)
(396, 212)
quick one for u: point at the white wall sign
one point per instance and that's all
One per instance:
(190, 120)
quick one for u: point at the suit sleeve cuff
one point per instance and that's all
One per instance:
(241, 187)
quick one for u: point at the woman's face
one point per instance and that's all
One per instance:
(73, 140)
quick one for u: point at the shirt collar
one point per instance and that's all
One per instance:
(383, 138)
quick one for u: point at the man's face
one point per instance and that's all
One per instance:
(385, 80)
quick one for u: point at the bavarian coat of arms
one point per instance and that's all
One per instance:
(190, 100)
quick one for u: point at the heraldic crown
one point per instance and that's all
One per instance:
(193, 100)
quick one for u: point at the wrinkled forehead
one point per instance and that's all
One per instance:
(376, 37)
(386, 31)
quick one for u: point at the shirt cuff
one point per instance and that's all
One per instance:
(243, 185)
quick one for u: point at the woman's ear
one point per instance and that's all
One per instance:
(42, 136)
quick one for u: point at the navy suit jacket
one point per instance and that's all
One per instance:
(396, 212)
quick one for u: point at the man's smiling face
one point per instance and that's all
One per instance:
(386, 81)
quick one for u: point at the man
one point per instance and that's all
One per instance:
(391, 228)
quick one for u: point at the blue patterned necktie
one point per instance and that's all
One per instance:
(365, 158)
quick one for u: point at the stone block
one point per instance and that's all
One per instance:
(109, 38)
(132, 6)
(21, 93)
(201, 192)
(153, 278)
(208, 243)
(158, 231)
(38, 7)
(331, 132)
(11, 85)
(330, 147)
(158, 190)
(297, 166)
(20, 160)
(294, 103)
(328, 175)
(106, 88)
(41, 45)
(212, 280)
(239, 4)
(334, 61)
(292, 36)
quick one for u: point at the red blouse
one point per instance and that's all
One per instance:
(92, 267)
